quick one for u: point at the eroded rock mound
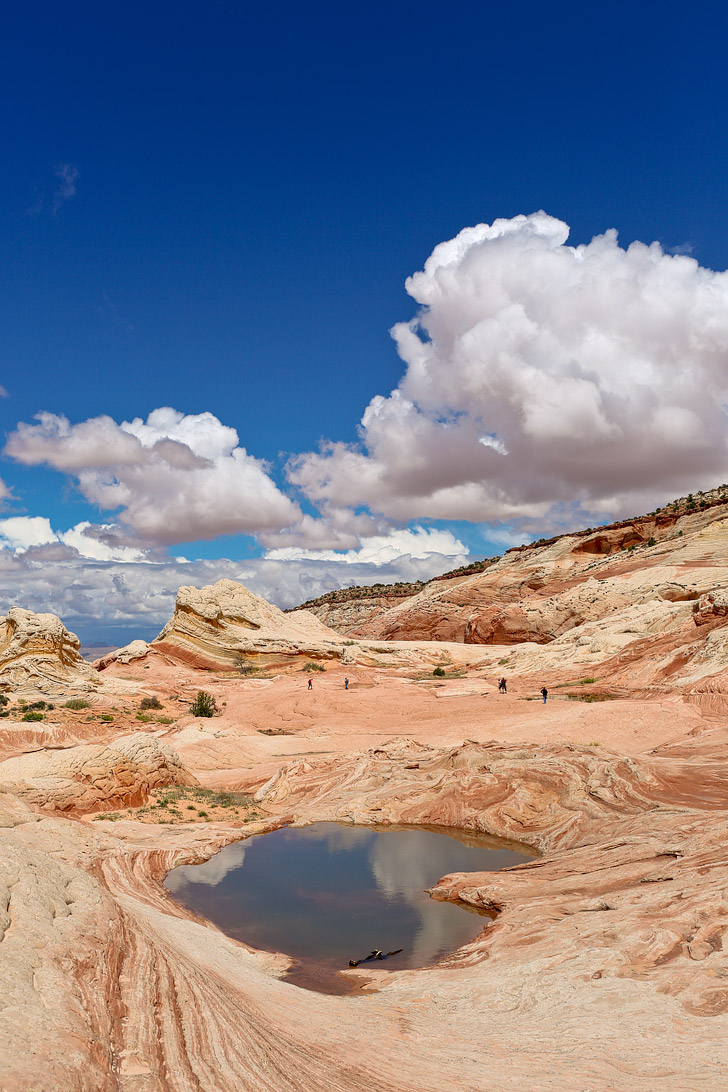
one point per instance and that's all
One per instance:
(94, 776)
(220, 625)
(38, 655)
(136, 650)
(711, 606)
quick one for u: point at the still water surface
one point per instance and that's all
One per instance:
(328, 893)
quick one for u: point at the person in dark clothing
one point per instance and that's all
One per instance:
(544, 694)
(310, 686)
(502, 686)
(346, 684)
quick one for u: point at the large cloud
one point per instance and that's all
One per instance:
(416, 543)
(97, 597)
(173, 477)
(539, 374)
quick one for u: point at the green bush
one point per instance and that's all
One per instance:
(76, 703)
(439, 672)
(150, 703)
(3, 701)
(204, 705)
(651, 542)
(33, 716)
(107, 717)
(311, 666)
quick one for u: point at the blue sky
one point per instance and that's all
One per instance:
(215, 208)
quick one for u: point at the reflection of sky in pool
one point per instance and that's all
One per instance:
(328, 893)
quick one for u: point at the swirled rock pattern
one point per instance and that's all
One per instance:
(603, 949)
(215, 626)
(39, 656)
(600, 965)
(92, 776)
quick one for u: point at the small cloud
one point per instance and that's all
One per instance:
(108, 311)
(3, 392)
(67, 176)
(416, 543)
(491, 440)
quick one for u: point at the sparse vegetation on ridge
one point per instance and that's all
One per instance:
(165, 804)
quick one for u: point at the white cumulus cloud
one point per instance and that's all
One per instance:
(20, 532)
(173, 477)
(538, 375)
(418, 543)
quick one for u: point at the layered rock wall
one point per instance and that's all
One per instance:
(220, 625)
(38, 655)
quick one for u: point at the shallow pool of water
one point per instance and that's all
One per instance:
(329, 892)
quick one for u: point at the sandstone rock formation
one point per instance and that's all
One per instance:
(94, 776)
(220, 625)
(38, 656)
(607, 826)
(605, 948)
(136, 650)
(347, 611)
(562, 591)
(589, 959)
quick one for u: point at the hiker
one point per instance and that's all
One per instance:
(310, 686)
(346, 684)
(544, 694)
(502, 688)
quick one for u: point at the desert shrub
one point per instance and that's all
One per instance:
(651, 542)
(76, 703)
(107, 717)
(311, 666)
(204, 705)
(439, 672)
(35, 715)
(145, 718)
(3, 701)
(150, 703)
(246, 667)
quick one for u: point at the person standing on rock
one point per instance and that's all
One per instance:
(346, 684)
(502, 687)
(310, 686)
(544, 694)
